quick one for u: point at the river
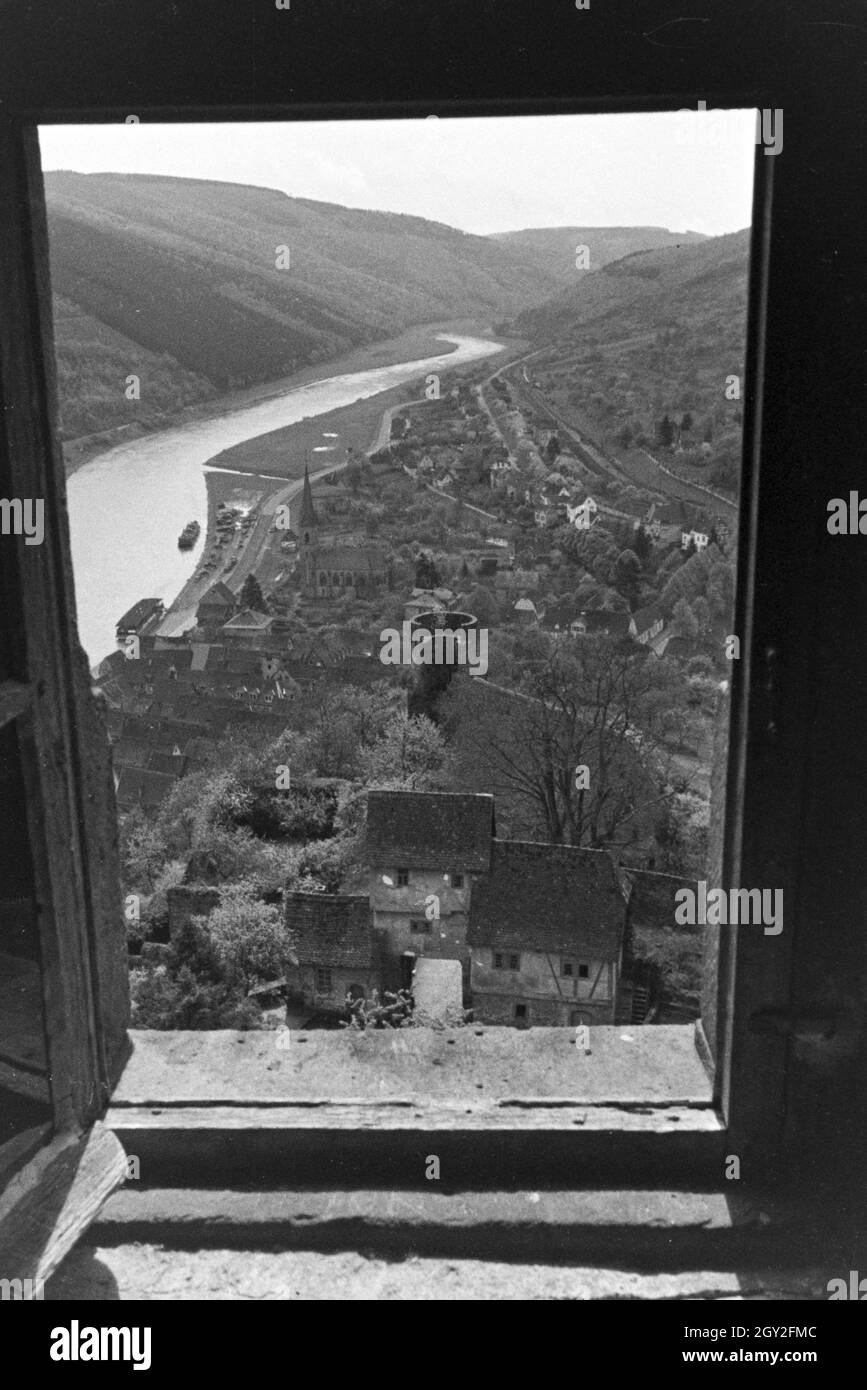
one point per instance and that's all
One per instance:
(128, 506)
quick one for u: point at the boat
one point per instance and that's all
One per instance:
(189, 535)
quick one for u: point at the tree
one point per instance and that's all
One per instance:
(248, 937)
(665, 432)
(426, 575)
(352, 474)
(641, 544)
(552, 448)
(686, 422)
(408, 756)
(684, 620)
(252, 596)
(592, 703)
(483, 605)
(627, 573)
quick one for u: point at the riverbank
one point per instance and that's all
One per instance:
(319, 440)
(233, 489)
(160, 481)
(418, 342)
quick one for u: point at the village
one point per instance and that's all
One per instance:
(473, 527)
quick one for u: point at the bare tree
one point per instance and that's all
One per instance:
(579, 737)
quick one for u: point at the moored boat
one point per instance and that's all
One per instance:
(189, 535)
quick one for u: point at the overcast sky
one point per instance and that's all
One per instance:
(687, 172)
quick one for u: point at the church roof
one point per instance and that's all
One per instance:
(308, 511)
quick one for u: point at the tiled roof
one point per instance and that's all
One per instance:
(361, 559)
(542, 897)
(138, 787)
(447, 831)
(330, 929)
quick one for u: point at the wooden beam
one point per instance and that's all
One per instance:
(51, 1202)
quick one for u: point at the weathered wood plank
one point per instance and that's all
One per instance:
(70, 804)
(51, 1202)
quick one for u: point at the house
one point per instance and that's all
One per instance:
(546, 936)
(424, 852)
(248, 629)
(567, 619)
(216, 606)
(332, 949)
(525, 611)
(697, 538)
(647, 623)
(142, 615)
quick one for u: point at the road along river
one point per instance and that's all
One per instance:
(128, 506)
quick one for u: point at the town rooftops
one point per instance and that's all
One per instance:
(351, 557)
(544, 897)
(446, 831)
(329, 929)
(218, 596)
(139, 614)
(249, 619)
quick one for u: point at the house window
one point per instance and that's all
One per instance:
(520, 1013)
(457, 880)
(583, 972)
(567, 968)
(323, 979)
(403, 878)
(514, 962)
(421, 925)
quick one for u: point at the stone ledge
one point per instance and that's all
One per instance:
(647, 1230)
(148, 1272)
(625, 1066)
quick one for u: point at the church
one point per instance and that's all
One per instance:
(336, 569)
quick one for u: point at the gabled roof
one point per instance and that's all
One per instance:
(140, 612)
(329, 929)
(218, 596)
(543, 897)
(645, 618)
(448, 831)
(249, 619)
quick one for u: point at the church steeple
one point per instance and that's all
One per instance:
(309, 520)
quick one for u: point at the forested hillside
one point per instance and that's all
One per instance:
(552, 249)
(643, 352)
(177, 281)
